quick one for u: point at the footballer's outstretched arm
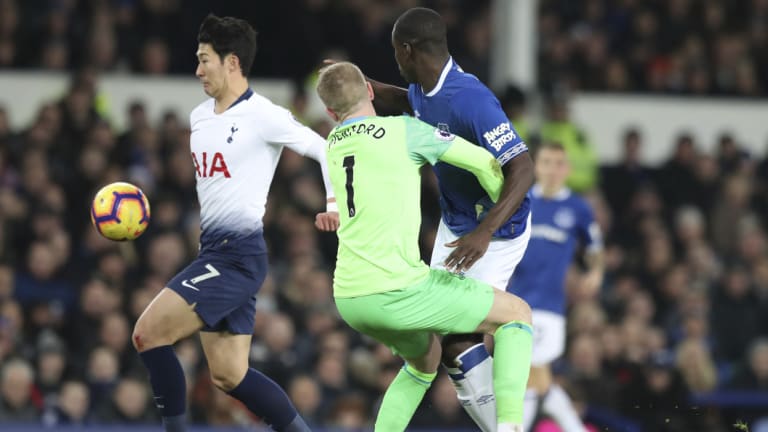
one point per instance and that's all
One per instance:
(479, 111)
(285, 130)
(593, 278)
(427, 144)
(388, 97)
(594, 257)
(518, 179)
(479, 162)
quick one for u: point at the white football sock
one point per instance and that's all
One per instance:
(558, 405)
(530, 408)
(509, 427)
(473, 381)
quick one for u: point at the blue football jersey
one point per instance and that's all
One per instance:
(462, 105)
(558, 224)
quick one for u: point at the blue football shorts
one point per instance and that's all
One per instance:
(222, 283)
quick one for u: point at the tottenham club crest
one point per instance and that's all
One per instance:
(232, 131)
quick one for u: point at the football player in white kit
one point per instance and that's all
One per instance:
(236, 141)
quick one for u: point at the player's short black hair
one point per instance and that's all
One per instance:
(550, 145)
(229, 35)
(422, 28)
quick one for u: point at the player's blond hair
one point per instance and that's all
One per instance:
(342, 87)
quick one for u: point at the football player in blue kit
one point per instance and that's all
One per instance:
(561, 221)
(475, 237)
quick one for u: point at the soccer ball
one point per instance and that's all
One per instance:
(120, 211)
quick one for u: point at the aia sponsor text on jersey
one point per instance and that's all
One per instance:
(208, 166)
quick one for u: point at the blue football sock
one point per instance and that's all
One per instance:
(267, 400)
(168, 385)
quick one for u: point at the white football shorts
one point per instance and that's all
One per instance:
(548, 337)
(496, 266)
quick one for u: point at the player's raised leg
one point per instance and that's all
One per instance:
(227, 356)
(407, 389)
(465, 356)
(509, 321)
(166, 320)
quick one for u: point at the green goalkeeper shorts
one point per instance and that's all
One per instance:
(404, 319)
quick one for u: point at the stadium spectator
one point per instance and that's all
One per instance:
(71, 408)
(275, 354)
(102, 375)
(696, 366)
(620, 182)
(440, 409)
(304, 391)
(16, 386)
(754, 373)
(51, 367)
(129, 404)
(559, 128)
(349, 413)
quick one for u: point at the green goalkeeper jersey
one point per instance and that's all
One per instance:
(373, 163)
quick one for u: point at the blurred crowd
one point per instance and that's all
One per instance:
(159, 37)
(711, 47)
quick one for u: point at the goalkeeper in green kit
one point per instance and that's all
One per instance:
(381, 286)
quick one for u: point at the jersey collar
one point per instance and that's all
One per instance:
(562, 194)
(443, 74)
(243, 97)
(352, 120)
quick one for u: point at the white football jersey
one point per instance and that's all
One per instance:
(235, 154)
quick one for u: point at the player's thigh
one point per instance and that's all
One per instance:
(447, 303)
(227, 356)
(167, 319)
(505, 309)
(548, 337)
(223, 286)
(441, 303)
(409, 345)
(429, 361)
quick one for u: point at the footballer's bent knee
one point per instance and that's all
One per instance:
(227, 378)
(145, 337)
(520, 310)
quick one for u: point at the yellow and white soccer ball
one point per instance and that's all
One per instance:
(120, 211)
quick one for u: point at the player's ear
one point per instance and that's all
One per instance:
(332, 114)
(408, 49)
(233, 63)
(371, 94)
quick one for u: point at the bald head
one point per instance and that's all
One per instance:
(342, 88)
(423, 29)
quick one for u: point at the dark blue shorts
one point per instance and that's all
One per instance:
(223, 282)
